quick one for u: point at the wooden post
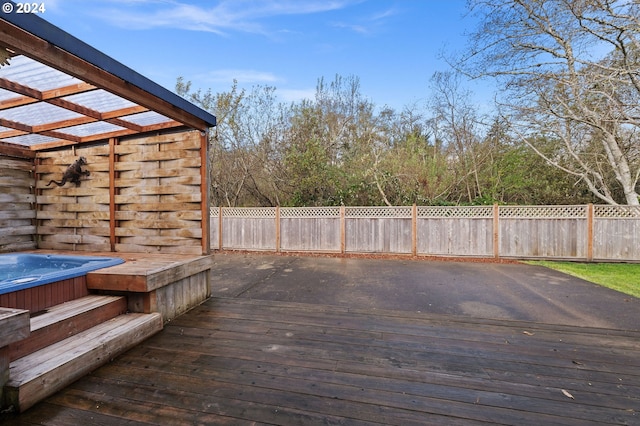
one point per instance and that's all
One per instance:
(590, 216)
(38, 192)
(414, 230)
(220, 228)
(277, 229)
(342, 231)
(204, 193)
(112, 192)
(496, 231)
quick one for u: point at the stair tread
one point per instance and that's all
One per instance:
(70, 309)
(45, 360)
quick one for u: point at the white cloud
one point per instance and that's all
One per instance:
(241, 76)
(368, 24)
(223, 17)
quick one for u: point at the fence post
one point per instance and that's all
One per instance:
(496, 231)
(414, 230)
(277, 229)
(342, 231)
(590, 216)
(220, 228)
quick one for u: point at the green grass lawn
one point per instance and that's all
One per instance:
(623, 277)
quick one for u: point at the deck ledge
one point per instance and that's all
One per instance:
(147, 273)
(14, 325)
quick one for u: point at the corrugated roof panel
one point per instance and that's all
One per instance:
(100, 100)
(30, 140)
(6, 94)
(38, 114)
(146, 118)
(97, 128)
(35, 75)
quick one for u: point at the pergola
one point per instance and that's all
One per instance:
(146, 149)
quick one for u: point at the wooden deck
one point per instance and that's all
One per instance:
(239, 361)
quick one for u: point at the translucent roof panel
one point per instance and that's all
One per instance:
(35, 75)
(38, 114)
(30, 140)
(99, 127)
(6, 94)
(145, 118)
(100, 100)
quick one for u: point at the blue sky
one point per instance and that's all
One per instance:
(392, 46)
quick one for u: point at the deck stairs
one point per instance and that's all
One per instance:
(70, 340)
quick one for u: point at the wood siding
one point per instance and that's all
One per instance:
(17, 204)
(144, 195)
(74, 217)
(158, 198)
(180, 296)
(584, 232)
(39, 298)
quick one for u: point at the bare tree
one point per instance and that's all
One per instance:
(245, 153)
(570, 70)
(456, 123)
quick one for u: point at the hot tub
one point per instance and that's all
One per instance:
(37, 281)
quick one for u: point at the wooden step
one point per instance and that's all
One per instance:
(62, 321)
(42, 373)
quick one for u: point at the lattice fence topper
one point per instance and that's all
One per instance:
(378, 212)
(549, 212)
(309, 212)
(471, 212)
(523, 212)
(253, 212)
(616, 211)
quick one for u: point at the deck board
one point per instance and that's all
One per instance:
(237, 361)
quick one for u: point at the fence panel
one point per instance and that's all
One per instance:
(616, 233)
(551, 232)
(455, 231)
(310, 229)
(249, 228)
(17, 204)
(378, 229)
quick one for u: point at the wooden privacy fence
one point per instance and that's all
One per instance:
(582, 232)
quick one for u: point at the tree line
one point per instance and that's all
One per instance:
(564, 129)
